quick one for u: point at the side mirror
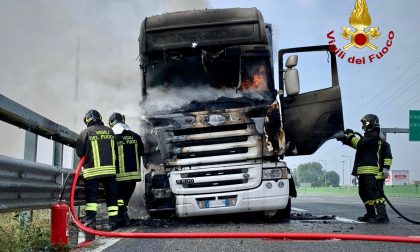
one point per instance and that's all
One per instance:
(291, 76)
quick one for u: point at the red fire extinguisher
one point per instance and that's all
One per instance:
(59, 224)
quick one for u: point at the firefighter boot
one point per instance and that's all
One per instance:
(370, 214)
(113, 222)
(90, 222)
(382, 216)
(124, 219)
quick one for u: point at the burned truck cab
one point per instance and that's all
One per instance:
(207, 82)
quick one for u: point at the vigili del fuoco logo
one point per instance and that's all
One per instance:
(361, 36)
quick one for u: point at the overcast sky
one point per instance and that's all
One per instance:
(40, 39)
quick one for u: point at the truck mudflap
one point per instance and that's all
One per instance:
(270, 195)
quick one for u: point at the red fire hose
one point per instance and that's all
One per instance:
(283, 236)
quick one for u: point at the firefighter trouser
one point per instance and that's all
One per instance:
(380, 183)
(369, 190)
(125, 190)
(91, 193)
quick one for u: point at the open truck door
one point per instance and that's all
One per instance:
(311, 106)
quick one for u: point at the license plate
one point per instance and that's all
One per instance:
(216, 203)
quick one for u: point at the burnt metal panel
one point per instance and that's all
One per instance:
(210, 27)
(311, 118)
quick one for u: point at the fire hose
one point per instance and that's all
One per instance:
(263, 235)
(389, 202)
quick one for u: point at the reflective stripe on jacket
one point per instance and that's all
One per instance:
(386, 160)
(130, 149)
(97, 143)
(372, 154)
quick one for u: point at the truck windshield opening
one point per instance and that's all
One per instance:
(212, 73)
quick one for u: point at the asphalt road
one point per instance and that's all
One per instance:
(311, 213)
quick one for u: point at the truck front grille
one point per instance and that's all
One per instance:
(215, 178)
(210, 145)
(220, 183)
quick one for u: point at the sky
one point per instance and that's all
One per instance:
(61, 58)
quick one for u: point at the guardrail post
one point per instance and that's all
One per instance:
(58, 158)
(31, 144)
(58, 154)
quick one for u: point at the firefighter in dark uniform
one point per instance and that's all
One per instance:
(97, 143)
(130, 149)
(373, 160)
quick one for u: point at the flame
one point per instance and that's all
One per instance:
(360, 18)
(257, 81)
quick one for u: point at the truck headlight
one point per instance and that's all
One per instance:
(270, 174)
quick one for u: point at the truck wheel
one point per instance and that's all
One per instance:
(281, 215)
(164, 214)
(284, 214)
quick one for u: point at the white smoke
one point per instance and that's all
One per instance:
(41, 43)
(164, 99)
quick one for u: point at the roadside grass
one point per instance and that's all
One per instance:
(34, 237)
(407, 191)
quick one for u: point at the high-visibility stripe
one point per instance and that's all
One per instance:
(113, 151)
(95, 152)
(378, 154)
(369, 203)
(367, 170)
(92, 143)
(380, 175)
(112, 210)
(91, 207)
(387, 161)
(99, 171)
(354, 142)
(121, 158)
(380, 200)
(137, 157)
(120, 202)
(129, 176)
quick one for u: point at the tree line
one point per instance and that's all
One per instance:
(314, 174)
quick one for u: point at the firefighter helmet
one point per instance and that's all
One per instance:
(92, 116)
(116, 118)
(370, 122)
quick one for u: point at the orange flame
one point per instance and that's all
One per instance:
(257, 81)
(360, 18)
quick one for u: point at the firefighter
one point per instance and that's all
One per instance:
(97, 143)
(373, 160)
(129, 151)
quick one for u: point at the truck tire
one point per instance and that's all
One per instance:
(281, 215)
(161, 214)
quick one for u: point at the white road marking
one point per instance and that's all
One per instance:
(336, 219)
(347, 220)
(105, 242)
(108, 242)
(298, 209)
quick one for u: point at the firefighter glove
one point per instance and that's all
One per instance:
(386, 172)
(348, 131)
(349, 134)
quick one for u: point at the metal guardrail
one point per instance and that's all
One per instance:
(29, 185)
(26, 184)
(22, 117)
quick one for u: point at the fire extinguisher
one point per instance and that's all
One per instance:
(59, 224)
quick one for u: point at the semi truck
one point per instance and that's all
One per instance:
(209, 105)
